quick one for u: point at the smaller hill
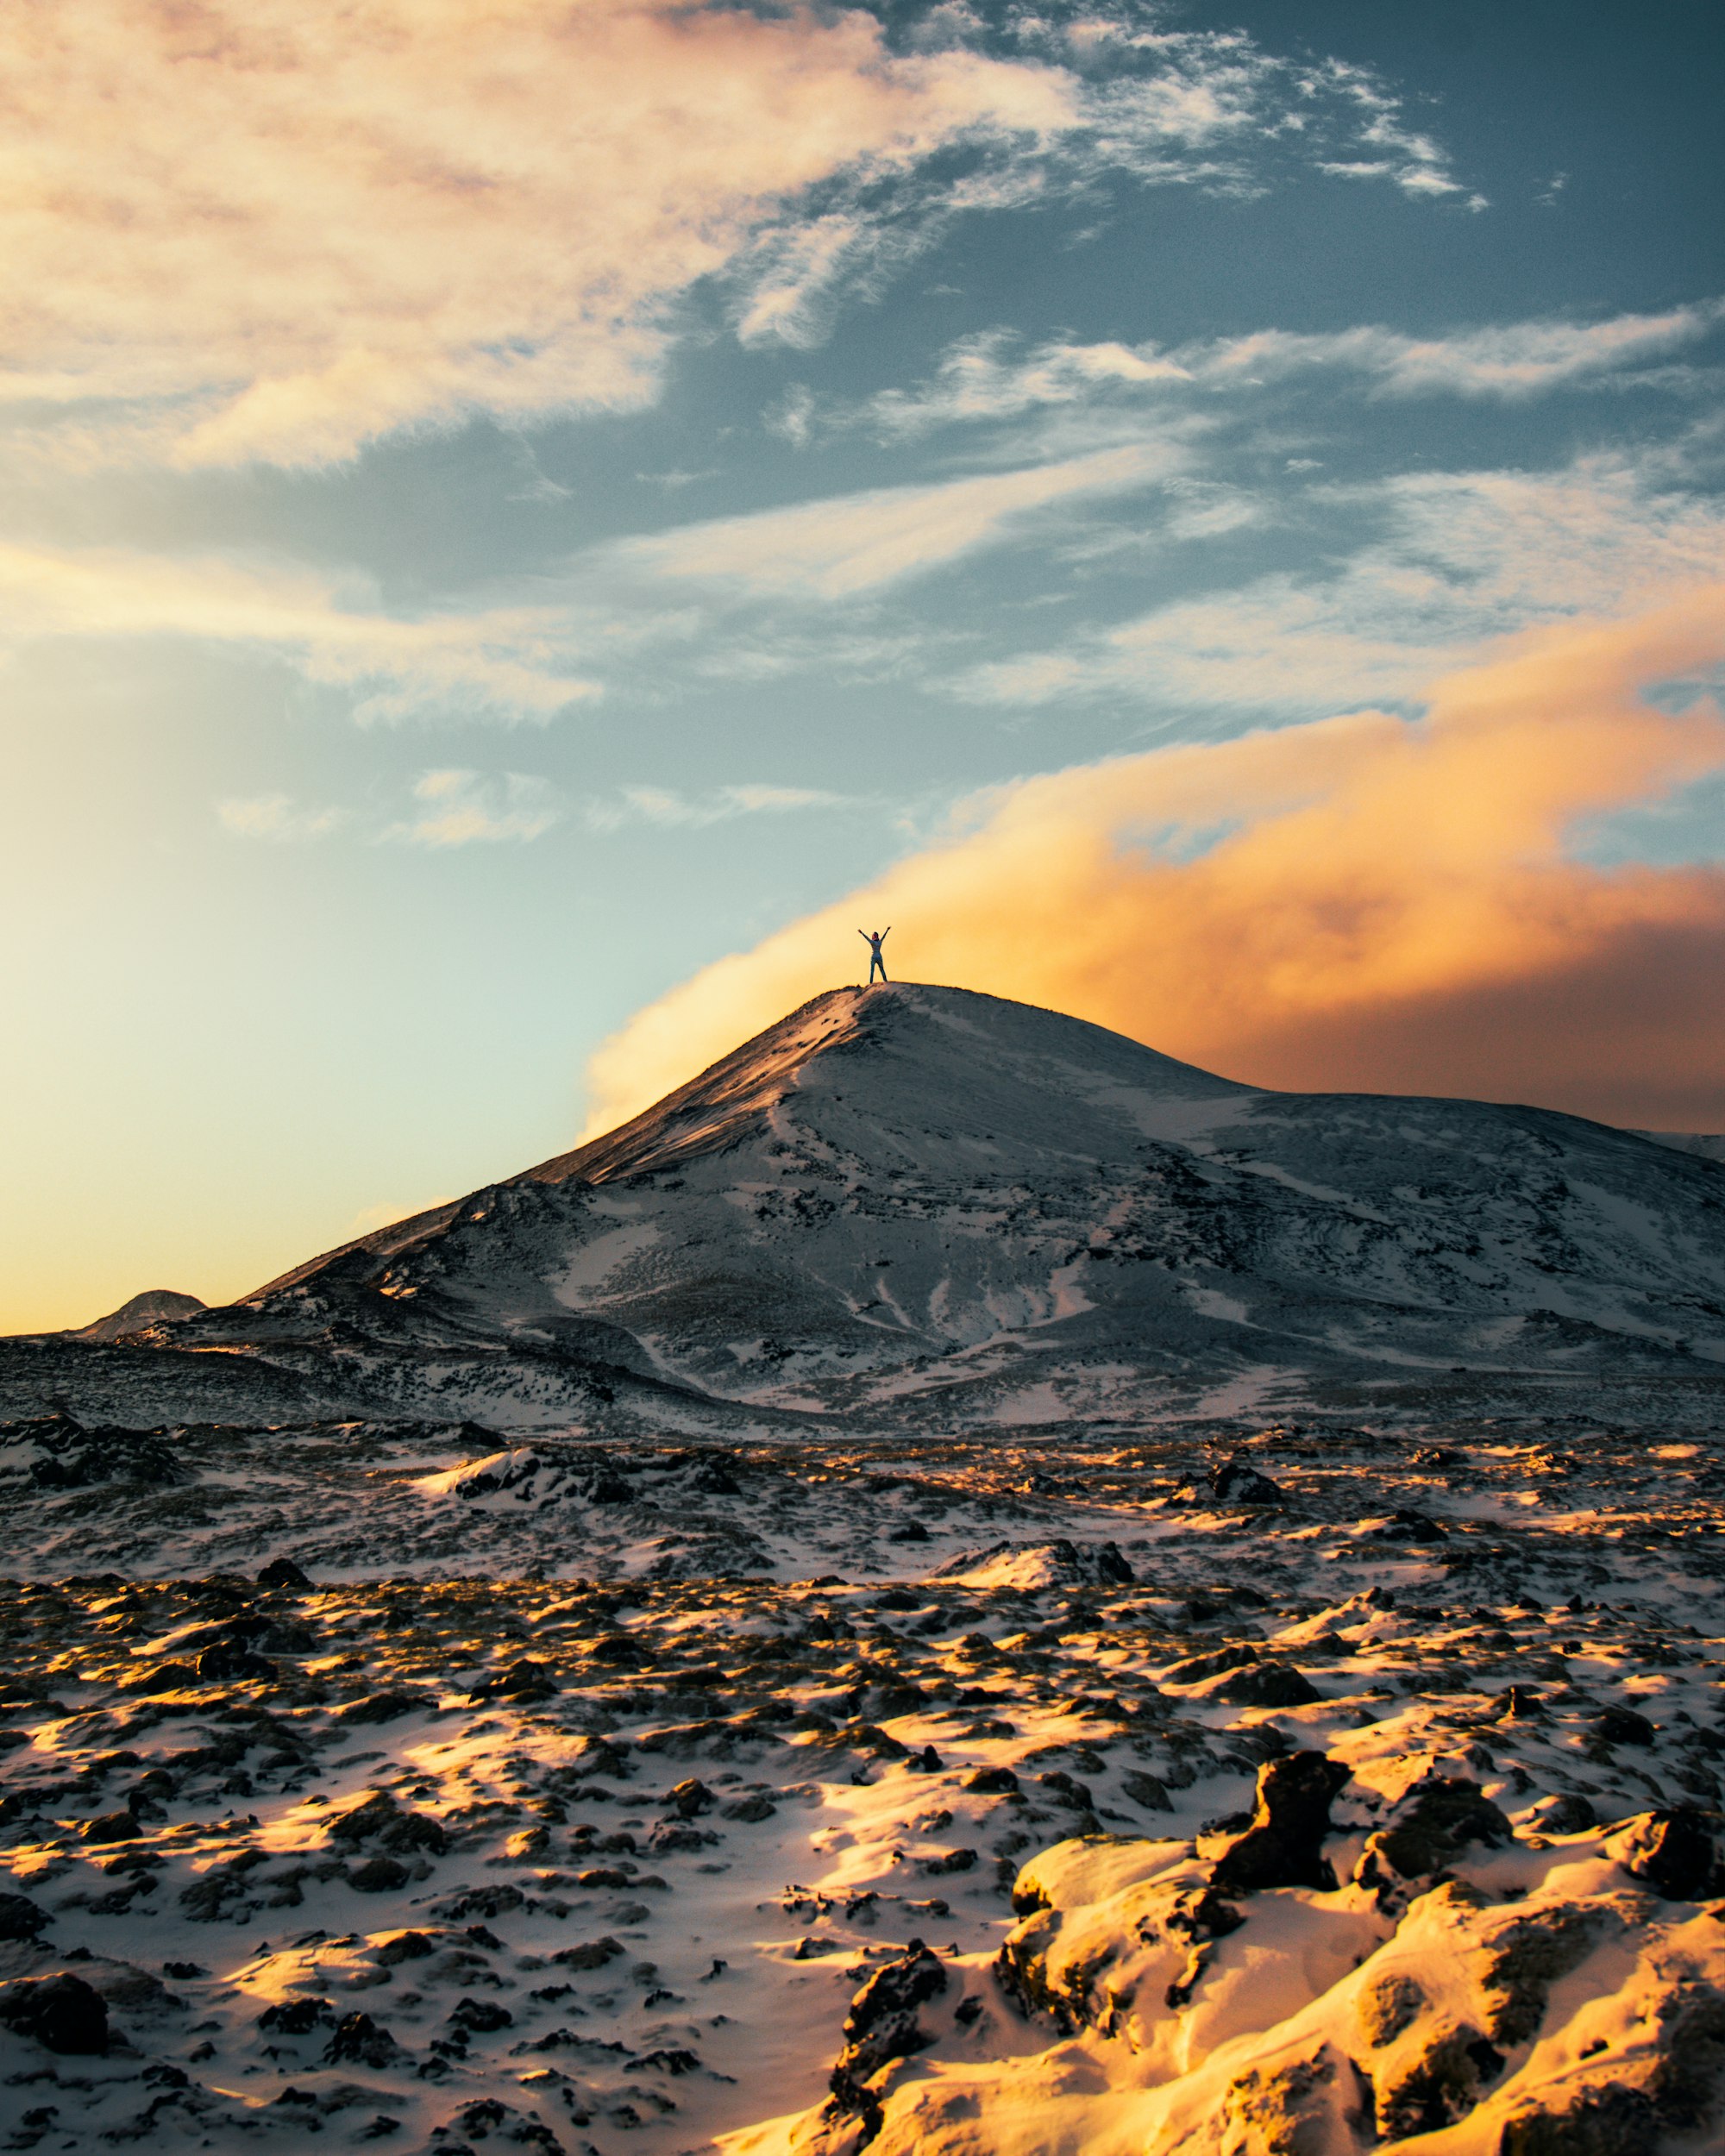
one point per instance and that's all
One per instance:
(149, 1308)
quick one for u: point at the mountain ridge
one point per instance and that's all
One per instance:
(910, 1200)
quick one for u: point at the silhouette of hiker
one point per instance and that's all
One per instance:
(874, 938)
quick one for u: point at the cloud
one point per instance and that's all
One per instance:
(1412, 160)
(981, 380)
(276, 231)
(506, 661)
(276, 816)
(858, 542)
(466, 808)
(1459, 556)
(1360, 903)
(664, 806)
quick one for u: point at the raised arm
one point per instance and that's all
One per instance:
(863, 933)
(885, 933)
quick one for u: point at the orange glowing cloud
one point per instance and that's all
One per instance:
(1365, 903)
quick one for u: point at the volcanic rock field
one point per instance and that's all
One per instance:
(829, 1797)
(947, 1732)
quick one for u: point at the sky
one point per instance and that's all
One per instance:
(525, 525)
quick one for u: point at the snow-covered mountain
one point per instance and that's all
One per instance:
(911, 1204)
(152, 1307)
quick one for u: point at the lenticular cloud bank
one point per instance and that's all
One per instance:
(957, 1586)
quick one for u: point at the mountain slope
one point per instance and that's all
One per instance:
(912, 1201)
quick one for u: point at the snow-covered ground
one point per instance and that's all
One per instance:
(959, 1587)
(663, 1755)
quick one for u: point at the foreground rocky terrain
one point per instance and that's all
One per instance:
(959, 1587)
(1309, 1788)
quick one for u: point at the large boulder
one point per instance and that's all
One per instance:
(1672, 1851)
(61, 2013)
(1238, 1483)
(1440, 1817)
(1284, 1845)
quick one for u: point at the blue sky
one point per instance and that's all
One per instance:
(500, 519)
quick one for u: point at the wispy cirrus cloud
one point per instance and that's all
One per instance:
(982, 379)
(858, 542)
(506, 661)
(671, 808)
(451, 807)
(1449, 558)
(455, 807)
(266, 232)
(280, 817)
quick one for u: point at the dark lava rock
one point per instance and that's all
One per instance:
(1146, 1790)
(163, 1677)
(1612, 2121)
(232, 1662)
(750, 1810)
(1197, 1667)
(381, 1822)
(1406, 1525)
(672, 1838)
(58, 1452)
(378, 1875)
(1268, 1684)
(910, 1531)
(524, 1680)
(111, 1826)
(713, 1479)
(674, 2061)
(485, 1901)
(1527, 1957)
(592, 1953)
(296, 2017)
(881, 2025)
(360, 2041)
(607, 1489)
(1438, 1818)
(1672, 1851)
(1109, 1567)
(1235, 1482)
(404, 1947)
(1440, 2085)
(885, 1702)
(690, 1799)
(1623, 1726)
(481, 2015)
(283, 1575)
(20, 1918)
(949, 1860)
(380, 1707)
(61, 2013)
(1570, 1815)
(992, 1781)
(1284, 1845)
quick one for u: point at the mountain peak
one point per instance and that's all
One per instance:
(900, 1047)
